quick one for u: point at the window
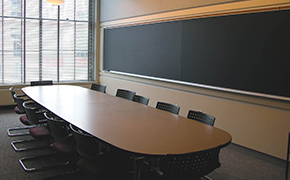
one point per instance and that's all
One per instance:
(39, 41)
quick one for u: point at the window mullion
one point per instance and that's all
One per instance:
(91, 9)
(58, 38)
(40, 40)
(23, 43)
(75, 40)
(2, 48)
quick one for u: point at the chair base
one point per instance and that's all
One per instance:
(9, 133)
(13, 144)
(30, 169)
(206, 177)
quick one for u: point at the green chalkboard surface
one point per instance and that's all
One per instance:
(245, 52)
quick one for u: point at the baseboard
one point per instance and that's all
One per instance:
(7, 107)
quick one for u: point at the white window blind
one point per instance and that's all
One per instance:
(40, 41)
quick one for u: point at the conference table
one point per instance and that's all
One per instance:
(125, 124)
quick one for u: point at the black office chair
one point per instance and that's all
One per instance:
(94, 162)
(287, 159)
(41, 83)
(64, 152)
(20, 99)
(14, 98)
(201, 117)
(88, 147)
(11, 89)
(141, 99)
(99, 87)
(186, 166)
(168, 107)
(126, 94)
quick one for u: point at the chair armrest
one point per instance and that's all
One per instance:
(21, 95)
(26, 100)
(157, 171)
(41, 118)
(42, 121)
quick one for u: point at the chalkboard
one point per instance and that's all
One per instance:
(246, 52)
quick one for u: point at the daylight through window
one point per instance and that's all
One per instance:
(39, 41)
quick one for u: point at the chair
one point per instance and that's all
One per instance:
(168, 107)
(33, 117)
(20, 100)
(41, 83)
(126, 94)
(14, 97)
(88, 147)
(94, 162)
(99, 87)
(11, 89)
(19, 109)
(287, 159)
(186, 166)
(201, 117)
(62, 146)
(141, 99)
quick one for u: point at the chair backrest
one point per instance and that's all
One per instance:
(58, 128)
(141, 99)
(19, 101)
(192, 165)
(11, 89)
(31, 108)
(201, 117)
(126, 94)
(85, 144)
(173, 108)
(41, 83)
(99, 87)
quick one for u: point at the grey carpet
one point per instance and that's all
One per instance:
(237, 163)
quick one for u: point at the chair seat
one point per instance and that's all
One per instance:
(64, 147)
(17, 110)
(40, 133)
(24, 120)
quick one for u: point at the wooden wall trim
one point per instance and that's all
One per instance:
(247, 11)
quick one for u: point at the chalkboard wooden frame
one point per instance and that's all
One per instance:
(244, 53)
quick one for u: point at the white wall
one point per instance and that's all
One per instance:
(128, 8)
(258, 123)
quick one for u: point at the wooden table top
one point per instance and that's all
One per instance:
(126, 124)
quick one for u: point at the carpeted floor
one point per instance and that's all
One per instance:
(237, 163)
